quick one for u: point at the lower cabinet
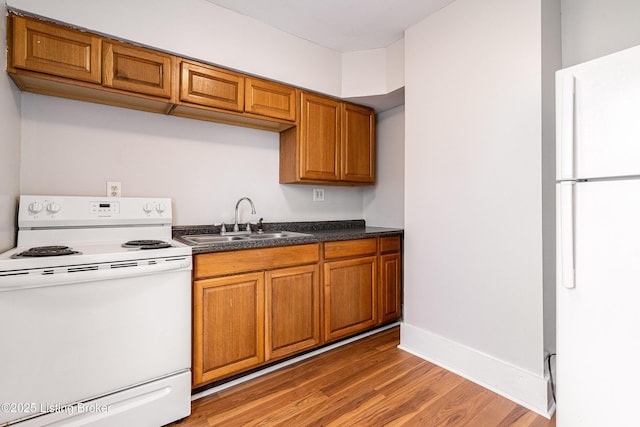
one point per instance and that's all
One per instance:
(228, 331)
(292, 321)
(349, 296)
(255, 306)
(389, 279)
(264, 305)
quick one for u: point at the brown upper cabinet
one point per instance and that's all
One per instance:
(211, 87)
(358, 144)
(218, 95)
(322, 140)
(58, 51)
(334, 143)
(136, 69)
(270, 99)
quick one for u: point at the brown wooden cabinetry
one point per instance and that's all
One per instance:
(228, 329)
(322, 140)
(208, 86)
(136, 69)
(253, 306)
(48, 48)
(292, 310)
(332, 144)
(270, 99)
(350, 287)
(218, 95)
(358, 146)
(53, 60)
(256, 306)
(389, 279)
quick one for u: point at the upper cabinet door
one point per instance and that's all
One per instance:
(50, 49)
(136, 69)
(270, 99)
(320, 138)
(212, 87)
(358, 144)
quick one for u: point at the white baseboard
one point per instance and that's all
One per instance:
(514, 383)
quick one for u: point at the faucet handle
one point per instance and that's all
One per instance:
(223, 229)
(249, 227)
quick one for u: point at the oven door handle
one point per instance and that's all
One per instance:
(90, 273)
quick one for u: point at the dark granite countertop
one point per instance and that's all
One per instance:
(318, 231)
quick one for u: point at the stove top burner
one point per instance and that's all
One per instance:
(146, 244)
(43, 251)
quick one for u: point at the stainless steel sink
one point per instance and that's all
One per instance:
(210, 239)
(205, 239)
(276, 235)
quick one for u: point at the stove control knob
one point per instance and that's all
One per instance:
(160, 207)
(35, 207)
(53, 207)
(148, 207)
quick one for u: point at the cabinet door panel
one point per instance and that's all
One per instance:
(270, 99)
(50, 49)
(358, 144)
(211, 87)
(292, 310)
(229, 325)
(136, 70)
(320, 138)
(350, 291)
(389, 300)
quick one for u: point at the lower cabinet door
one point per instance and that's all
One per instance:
(228, 331)
(350, 296)
(389, 300)
(292, 321)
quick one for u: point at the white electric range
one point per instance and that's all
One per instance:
(95, 314)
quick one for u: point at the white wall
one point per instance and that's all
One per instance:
(373, 72)
(72, 147)
(9, 145)
(383, 204)
(551, 62)
(473, 194)
(593, 28)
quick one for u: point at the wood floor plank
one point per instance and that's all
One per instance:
(455, 407)
(367, 383)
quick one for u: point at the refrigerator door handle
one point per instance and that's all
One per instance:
(567, 246)
(567, 136)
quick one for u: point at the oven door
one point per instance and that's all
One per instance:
(73, 340)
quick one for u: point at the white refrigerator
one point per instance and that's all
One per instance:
(598, 232)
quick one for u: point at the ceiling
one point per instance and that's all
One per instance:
(341, 25)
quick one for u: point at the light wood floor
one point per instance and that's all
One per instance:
(366, 383)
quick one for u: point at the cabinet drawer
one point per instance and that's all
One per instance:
(390, 244)
(136, 70)
(222, 263)
(211, 87)
(50, 49)
(270, 99)
(349, 248)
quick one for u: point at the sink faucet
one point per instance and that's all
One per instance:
(253, 211)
